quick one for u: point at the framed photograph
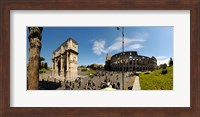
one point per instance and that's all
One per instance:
(100, 58)
(118, 62)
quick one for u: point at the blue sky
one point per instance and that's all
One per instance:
(95, 42)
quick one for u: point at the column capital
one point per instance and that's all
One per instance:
(35, 37)
(35, 32)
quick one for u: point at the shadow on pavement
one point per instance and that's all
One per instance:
(48, 85)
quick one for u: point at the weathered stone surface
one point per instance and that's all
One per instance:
(65, 61)
(130, 61)
(34, 58)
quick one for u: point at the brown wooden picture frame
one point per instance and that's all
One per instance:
(192, 5)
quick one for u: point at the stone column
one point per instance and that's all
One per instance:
(67, 62)
(61, 68)
(142, 64)
(35, 37)
(56, 68)
(52, 73)
(132, 64)
(136, 64)
(70, 69)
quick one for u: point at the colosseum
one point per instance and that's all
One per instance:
(130, 61)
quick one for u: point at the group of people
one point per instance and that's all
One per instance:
(109, 83)
(90, 85)
(69, 85)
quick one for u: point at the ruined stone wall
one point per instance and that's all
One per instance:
(131, 61)
(65, 61)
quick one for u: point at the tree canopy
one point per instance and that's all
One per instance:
(170, 62)
(42, 59)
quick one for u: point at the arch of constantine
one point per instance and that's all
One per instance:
(65, 61)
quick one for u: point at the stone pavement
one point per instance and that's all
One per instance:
(136, 84)
(115, 77)
(129, 82)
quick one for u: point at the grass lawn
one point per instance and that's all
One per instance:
(91, 72)
(43, 70)
(157, 81)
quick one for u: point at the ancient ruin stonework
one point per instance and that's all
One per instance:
(65, 61)
(35, 37)
(130, 61)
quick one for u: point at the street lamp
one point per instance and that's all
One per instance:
(122, 28)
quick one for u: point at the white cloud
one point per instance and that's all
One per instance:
(98, 47)
(115, 46)
(162, 60)
(161, 57)
(129, 43)
(100, 64)
(141, 34)
(135, 46)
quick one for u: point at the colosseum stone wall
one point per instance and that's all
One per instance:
(130, 61)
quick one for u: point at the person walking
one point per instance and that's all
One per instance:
(118, 85)
(79, 84)
(73, 85)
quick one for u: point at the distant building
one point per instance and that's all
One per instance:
(107, 66)
(65, 61)
(130, 61)
(96, 66)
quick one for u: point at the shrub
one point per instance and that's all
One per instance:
(43, 70)
(84, 69)
(137, 73)
(91, 72)
(164, 71)
(163, 66)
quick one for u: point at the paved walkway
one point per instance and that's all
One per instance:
(129, 82)
(136, 84)
(115, 77)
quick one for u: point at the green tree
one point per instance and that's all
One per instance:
(170, 62)
(163, 66)
(42, 59)
(41, 62)
(45, 65)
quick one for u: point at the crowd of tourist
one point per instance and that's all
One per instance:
(105, 79)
